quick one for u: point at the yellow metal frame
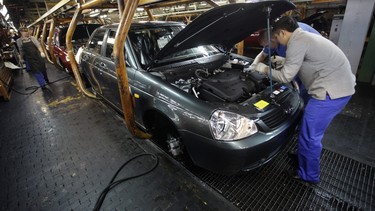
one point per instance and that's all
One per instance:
(42, 41)
(127, 10)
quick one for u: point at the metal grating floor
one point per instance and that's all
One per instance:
(345, 185)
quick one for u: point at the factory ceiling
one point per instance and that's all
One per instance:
(26, 12)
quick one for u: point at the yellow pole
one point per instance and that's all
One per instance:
(123, 83)
(50, 35)
(42, 42)
(72, 59)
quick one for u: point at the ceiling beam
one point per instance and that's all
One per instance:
(168, 3)
(327, 1)
(51, 11)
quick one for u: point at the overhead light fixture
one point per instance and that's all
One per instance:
(140, 9)
(94, 13)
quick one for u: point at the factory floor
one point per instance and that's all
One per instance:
(60, 149)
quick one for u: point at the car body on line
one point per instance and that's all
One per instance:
(195, 96)
(80, 36)
(252, 40)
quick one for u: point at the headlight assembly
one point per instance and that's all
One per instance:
(228, 126)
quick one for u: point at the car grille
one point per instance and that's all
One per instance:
(274, 118)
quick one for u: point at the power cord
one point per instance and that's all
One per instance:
(113, 183)
(33, 88)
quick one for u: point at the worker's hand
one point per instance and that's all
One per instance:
(42, 55)
(277, 62)
(253, 66)
(262, 68)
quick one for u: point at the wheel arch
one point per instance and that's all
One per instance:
(153, 115)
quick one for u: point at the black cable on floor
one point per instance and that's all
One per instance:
(33, 88)
(113, 183)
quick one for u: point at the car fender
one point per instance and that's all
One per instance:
(156, 95)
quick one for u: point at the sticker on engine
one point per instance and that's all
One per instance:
(261, 104)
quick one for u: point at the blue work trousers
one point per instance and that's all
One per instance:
(316, 118)
(40, 78)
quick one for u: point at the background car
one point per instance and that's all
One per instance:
(252, 40)
(79, 38)
(197, 99)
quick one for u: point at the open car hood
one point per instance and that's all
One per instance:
(225, 25)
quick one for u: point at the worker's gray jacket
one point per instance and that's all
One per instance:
(320, 64)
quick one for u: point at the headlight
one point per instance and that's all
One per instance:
(229, 126)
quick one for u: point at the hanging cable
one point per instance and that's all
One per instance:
(32, 88)
(113, 183)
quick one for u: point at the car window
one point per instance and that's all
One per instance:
(82, 33)
(148, 42)
(196, 52)
(109, 48)
(96, 42)
(110, 43)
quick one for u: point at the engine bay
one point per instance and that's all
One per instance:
(232, 82)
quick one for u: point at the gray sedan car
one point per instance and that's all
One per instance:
(193, 95)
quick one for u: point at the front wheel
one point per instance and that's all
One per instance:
(165, 135)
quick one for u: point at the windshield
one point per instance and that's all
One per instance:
(148, 42)
(192, 53)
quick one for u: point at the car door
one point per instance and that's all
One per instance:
(108, 76)
(91, 59)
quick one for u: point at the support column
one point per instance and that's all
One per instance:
(354, 29)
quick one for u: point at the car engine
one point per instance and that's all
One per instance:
(229, 83)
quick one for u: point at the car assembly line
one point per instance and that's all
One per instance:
(157, 105)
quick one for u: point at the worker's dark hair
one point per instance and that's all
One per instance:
(284, 23)
(23, 29)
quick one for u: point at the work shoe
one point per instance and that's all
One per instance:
(293, 174)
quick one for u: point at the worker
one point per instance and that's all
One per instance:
(280, 51)
(31, 51)
(276, 48)
(326, 73)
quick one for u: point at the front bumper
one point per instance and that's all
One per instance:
(228, 158)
